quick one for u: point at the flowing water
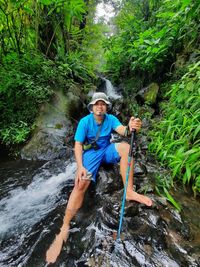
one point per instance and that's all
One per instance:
(33, 197)
(110, 90)
(29, 194)
(33, 200)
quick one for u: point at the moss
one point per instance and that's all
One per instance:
(58, 126)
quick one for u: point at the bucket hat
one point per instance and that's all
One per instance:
(97, 97)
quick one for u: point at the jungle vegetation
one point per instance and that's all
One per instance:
(50, 44)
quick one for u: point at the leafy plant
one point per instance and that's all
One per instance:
(162, 187)
(15, 133)
(176, 138)
(149, 34)
(25, 85)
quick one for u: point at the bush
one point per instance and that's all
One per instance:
(176, 138)
(25, 84)
(29, 81)
(147, 44)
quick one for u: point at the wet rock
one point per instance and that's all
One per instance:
(108, 180)
(138, 169)
(52, 129)
(45, 146)
(143, 142)
(73, 105)
(150, 236)
(148, 94)
(131, 209)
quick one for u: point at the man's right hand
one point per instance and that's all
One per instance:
(81, 174)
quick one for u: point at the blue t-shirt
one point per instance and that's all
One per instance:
(88, 127)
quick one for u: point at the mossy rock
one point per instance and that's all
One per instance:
(148, 95)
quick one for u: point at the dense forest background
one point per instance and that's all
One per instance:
(46, 45)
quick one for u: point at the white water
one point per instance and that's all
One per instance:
(24, 207)
(110, 90)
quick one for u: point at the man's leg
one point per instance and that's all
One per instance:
(123, 150)
(74, 203)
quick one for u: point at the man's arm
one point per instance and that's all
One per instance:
(134, 123)
(81, 171)
(78, 150)
(121, 130)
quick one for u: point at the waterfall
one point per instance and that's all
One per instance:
(110, 90)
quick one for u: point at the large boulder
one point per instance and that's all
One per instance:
(74, 106)
(52, 128)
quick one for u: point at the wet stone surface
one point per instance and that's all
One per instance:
(33, 200)
(155, 236)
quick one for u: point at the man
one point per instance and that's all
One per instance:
(96, 129)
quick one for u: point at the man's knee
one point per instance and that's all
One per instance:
(82, 186)
(123, 149)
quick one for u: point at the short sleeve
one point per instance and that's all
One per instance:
(81, 131)
(115, 122)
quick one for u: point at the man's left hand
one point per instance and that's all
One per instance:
(135, 123)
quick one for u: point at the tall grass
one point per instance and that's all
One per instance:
(175, 138)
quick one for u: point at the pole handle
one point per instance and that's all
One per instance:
(133, 137)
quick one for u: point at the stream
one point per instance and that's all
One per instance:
(33, 197)
(33, 200)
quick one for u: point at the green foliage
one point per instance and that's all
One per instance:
(49, 26)
(79, 66)
(114, 57)
(176, 138)
(162, 187)
(74, 10)
(25, 84)
(93, 48)
(14, 16)
(16, 133)
(29, 81)
(150, 33)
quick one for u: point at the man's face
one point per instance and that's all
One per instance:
(99, 108)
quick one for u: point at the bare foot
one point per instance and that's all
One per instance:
(54, 251)
(139, 198)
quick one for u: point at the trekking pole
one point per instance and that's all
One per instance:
(133, 136)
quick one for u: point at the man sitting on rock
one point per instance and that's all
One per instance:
(95, 129)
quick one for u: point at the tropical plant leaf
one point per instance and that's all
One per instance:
(172, 200)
